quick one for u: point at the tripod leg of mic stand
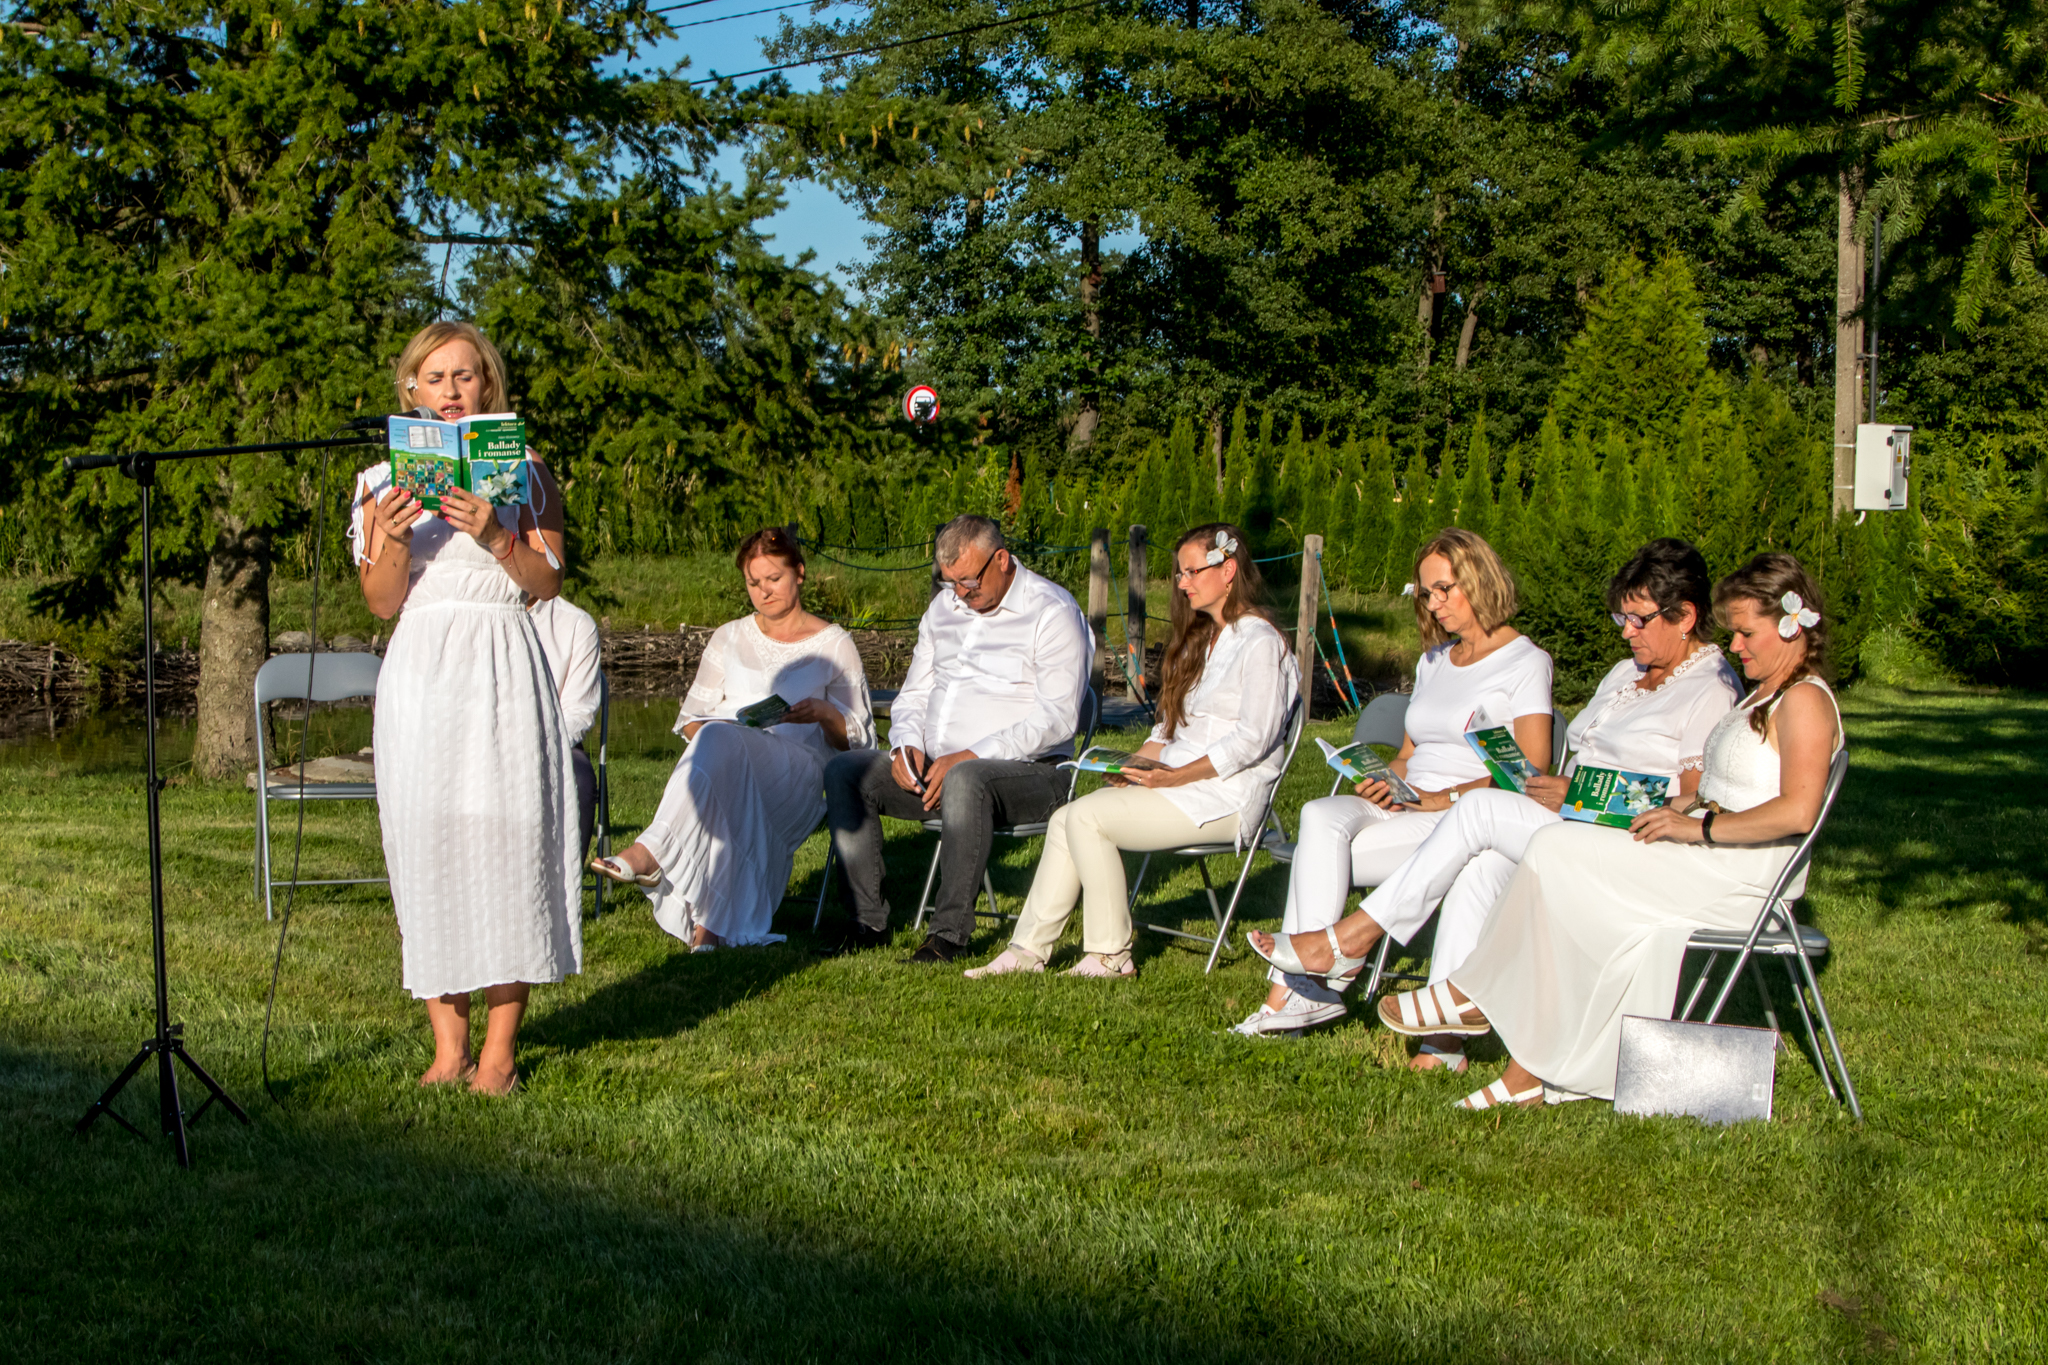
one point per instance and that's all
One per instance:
(105, 1103)
(213, 1087)
(169, 1106)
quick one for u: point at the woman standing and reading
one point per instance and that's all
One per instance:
(473, 772)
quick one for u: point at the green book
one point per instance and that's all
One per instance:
(1359, 763)
(1609, 796)
(1098, 759)
(484, 455)
(763, 713)
(1503, 757)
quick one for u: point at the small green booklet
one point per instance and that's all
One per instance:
(1503, 757)
(1097, 759)
(757, 715)
(1609, 796)
(1359, 763)
(484, 455)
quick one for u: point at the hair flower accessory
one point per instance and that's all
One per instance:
(1797, 616)
(1225, 548)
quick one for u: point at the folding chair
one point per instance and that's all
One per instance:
(1091, 716)
(1267, 831)
(333, 677)
(602, 834)
(1777, 934)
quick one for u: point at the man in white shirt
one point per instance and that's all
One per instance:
(990, 706)
(568, 637)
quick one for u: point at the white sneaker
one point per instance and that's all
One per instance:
(1297, 1014)
(1005, 962)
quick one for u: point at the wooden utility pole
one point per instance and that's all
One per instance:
(1098, 603)
(1305, 621)
(1134, 612)
(1849, 276)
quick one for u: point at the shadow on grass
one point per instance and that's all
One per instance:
(669, 997)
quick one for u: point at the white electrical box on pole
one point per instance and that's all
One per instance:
(1884, 464)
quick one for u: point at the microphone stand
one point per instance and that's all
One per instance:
(167, 1044)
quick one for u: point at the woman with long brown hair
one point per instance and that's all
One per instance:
(1218, 746)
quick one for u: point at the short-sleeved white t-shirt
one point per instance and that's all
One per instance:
(1511, 682)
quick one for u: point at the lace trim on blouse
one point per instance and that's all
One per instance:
(1635, 690)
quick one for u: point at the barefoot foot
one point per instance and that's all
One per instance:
(447, 1071)
(494, 1080)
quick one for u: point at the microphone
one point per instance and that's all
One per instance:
(376, 423)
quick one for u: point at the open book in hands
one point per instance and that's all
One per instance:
(1609, 796)
(755, 716)
(1360, 764)
(1097, 759)
(1503, 757)
(484, 455)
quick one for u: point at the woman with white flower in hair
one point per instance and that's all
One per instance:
(1594, 925)
(1225, 687)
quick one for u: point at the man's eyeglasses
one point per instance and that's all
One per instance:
(967, 587)
(1629, 620)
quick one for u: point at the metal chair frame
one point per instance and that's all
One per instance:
(1777, 934)
(1092, 716)
(601, 835)
(1266, 827)
(334, 677)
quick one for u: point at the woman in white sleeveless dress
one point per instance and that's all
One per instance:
(473, 772)
(715, 859)
(1594, 926)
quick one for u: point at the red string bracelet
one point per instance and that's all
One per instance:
(511, 544)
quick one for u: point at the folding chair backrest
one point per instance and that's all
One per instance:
(1838, 768)
(1297, 722)
(1560, 750)
(1091, 717)
(334, 676)
(1383, 721)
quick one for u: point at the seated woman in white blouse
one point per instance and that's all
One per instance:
(715, 859)
(1651, 714)
(1226, 683)
(1476, 672)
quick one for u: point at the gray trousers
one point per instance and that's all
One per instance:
(979, 794)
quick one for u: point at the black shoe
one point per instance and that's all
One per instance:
(859, 939)
(935, 949)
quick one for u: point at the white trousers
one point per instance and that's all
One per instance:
(1465, 863)
(1345, 841)
(1083, 861)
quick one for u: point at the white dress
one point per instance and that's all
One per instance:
(1593, 925)
(473, 778)
(741, 800)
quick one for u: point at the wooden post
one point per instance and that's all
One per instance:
(1134, 612)
(1098, 602)
(1305, 618)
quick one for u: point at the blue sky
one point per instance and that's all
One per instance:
(816, 219)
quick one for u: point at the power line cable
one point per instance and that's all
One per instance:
(744, 14)
(900, 42)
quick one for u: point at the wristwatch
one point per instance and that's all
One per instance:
(1455, 794)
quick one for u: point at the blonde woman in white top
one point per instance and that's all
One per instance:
(1593, 926)
(1476, 672)
(715, 859)
(1651, 714)
(1224, 692)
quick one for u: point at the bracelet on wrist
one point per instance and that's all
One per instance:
(511, 544)
(1707, 827)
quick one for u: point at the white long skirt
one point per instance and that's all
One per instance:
(737, 806)
(476, 798)
(1592, 927)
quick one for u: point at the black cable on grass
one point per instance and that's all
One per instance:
(305, 737)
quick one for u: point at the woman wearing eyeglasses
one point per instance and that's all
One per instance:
(1225, 689)
(1476, 672)
(1651, 714)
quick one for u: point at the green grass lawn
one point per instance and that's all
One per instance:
(770, 1155)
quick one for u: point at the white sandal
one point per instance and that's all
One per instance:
(615, 868)
(1432, 1010)
(1003, 964)
(1338, 976)
(1447, 1059)
(1497, 1094)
